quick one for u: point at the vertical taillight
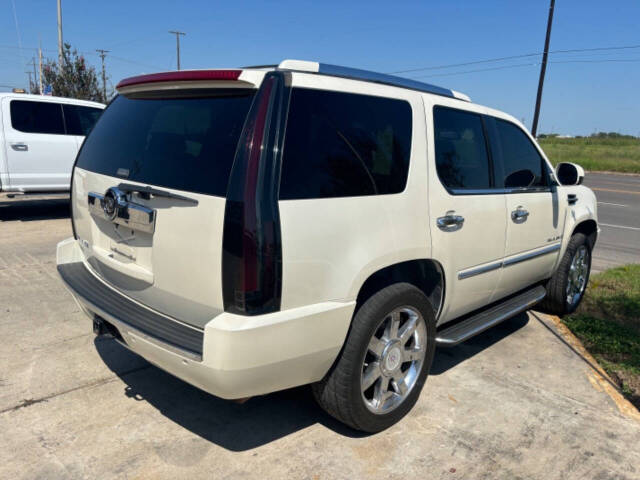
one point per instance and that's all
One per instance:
(251, 246)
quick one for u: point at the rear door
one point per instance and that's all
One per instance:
(39, 154)
(534, 220)
(467, 212)
(181, 144)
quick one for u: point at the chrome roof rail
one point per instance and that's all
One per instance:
(368, 76)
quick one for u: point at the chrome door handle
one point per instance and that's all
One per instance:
(519, 215)
(20, 147)
(450, 222)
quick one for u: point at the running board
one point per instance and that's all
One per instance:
(486, 319)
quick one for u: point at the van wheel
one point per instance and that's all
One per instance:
(385, 361)
(566, 287)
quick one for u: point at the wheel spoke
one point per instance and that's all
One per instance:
(399, 384)
(411, 354)
(381, 392)
(371, 374)
(407, 329)
(394, 323)
(376, 346)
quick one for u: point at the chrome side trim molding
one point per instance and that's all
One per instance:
(477, 271)
(530, 255)
(472, 272)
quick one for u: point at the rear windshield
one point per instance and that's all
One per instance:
(186, 143)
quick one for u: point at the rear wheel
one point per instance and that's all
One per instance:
(385, 361)
(568, 284)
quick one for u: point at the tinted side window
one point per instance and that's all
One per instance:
(461, 150)
(36, 117)
(342, 144)
(521, 161)
(80, 120)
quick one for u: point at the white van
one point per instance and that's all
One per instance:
(39, 139)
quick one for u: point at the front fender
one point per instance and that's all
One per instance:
(586, 208)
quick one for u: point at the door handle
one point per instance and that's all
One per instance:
(519, 215)
(20, 147)
(450, 222)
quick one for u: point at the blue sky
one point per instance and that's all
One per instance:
(587, 91)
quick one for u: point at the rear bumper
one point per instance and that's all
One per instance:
(240, 356)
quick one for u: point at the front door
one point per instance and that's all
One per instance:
(534, 217)
(468, 215)
(39, 154)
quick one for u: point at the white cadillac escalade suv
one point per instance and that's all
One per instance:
(257, 229)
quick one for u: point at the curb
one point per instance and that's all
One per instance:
(600, 379)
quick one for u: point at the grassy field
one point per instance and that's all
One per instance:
(608, 324)
(595, 154)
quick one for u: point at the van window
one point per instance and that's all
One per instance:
(79, 119)
(343, 144)
(186, 141)
(36, 117)
(462, 161)
(522, 164)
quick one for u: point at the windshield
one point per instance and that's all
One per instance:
(184, 142)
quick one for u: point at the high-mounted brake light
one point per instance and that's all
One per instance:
(181, 76)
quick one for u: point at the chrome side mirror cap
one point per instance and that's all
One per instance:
(569, 173)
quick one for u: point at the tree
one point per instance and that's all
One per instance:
(74, 79)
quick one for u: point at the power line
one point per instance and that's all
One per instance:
(512, 57)
(531, 64)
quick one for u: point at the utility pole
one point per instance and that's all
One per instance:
(543, 69)
(103, 53)
(40, 65)
(60, 33)
(32, 62)
(177, 34)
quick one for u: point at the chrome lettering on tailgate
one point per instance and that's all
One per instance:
(115, 206)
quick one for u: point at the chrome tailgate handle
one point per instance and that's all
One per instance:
(519, 215)
(450, 222)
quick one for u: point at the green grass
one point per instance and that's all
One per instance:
(608, 324)
(595, 154)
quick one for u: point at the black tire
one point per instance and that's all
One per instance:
(556, 302)
(339, 393)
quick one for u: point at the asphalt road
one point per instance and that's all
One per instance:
(619, 217)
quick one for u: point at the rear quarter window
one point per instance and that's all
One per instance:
(343, 144)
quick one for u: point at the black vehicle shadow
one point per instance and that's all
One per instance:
(234, 426)
(447, 358)
(33, 209)
(262, 419)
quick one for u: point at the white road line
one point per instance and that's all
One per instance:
(614, 204)
(620, 226)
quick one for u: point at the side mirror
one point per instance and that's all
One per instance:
(569, 173)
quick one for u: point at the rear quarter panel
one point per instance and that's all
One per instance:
(331, 246)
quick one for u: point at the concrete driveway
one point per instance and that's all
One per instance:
(515, 402)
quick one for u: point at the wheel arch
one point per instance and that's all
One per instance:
(425, 274)
(588, 227)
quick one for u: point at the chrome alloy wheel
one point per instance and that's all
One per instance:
(394, 359)
(578, 272)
